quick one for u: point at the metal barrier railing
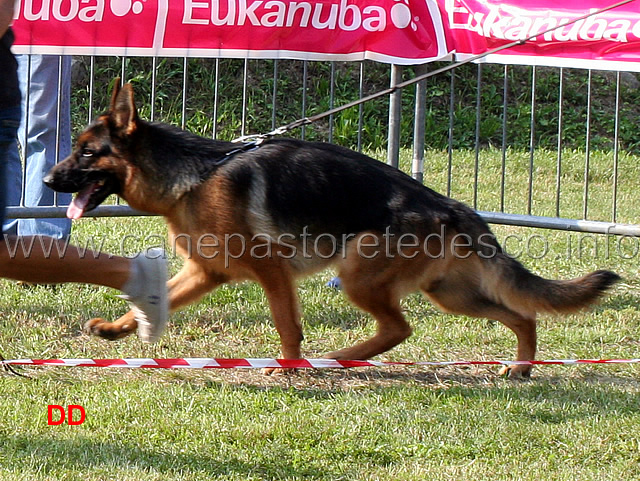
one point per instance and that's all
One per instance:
(476, 109)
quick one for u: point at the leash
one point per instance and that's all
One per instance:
(260, 138)
(247, 147)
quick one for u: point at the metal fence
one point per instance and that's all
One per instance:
(542, 147)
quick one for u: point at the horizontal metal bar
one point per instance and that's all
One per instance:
(558, 223)
(57, 212)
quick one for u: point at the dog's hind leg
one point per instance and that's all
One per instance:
(187, 286)
(392, 327)
(375, 282)
(462, 299)
(378, 300)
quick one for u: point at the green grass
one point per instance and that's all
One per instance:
(400, 423)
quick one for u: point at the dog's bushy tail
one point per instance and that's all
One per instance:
(520, 288)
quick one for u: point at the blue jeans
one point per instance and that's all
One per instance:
(9, 122)
(41, 145)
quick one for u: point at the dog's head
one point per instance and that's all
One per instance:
(100, 163)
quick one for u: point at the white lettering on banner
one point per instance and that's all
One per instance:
(72, 8)
(520, 24)
(30, 15)
(231, 13)
(278, 15)
(248, 11)
(94, 13)
(306, 13)
(189, 6)
(83, 10)
(275, 13)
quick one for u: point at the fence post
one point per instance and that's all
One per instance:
(395, 110)
(417, 167)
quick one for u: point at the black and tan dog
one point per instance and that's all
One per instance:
(288, 208)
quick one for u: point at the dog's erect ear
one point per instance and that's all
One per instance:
(116, 91)
(123, 108)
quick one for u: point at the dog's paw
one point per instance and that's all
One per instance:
(516, 372)
(109, 330)
(275, 371)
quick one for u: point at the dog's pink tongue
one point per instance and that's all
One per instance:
(75, 210)
(79, 204)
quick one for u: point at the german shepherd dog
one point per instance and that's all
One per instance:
(287, 208)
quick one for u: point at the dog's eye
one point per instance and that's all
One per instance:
(87, 153)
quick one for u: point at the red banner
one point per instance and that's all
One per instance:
(393, 31)
(384, 30)
(606, 40)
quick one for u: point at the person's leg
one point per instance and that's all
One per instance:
(11, 171)
(143, 279)
(34, 259)
(9, 121)
(45, 134)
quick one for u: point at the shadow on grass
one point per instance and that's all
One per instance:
(57, 455)
(549, 398)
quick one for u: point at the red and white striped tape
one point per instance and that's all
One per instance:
(256, 363)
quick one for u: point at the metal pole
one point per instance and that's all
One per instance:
(505, 115)
(588, 151)
(417, 168)
(476, 164)
(185, 77)
(560, 133)
(532, 140)
(616, 152)
(360, 106)
(395, 111)
(452, 105)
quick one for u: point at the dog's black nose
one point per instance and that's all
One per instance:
(48, 180)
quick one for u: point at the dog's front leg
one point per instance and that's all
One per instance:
(279, 287)
(187, 286)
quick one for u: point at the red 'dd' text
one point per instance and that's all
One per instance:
(56, 415)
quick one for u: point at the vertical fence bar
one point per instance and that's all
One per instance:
(532, 139)
(560, 139)
(395, 111)
(304, 95)
(245, 90)
(92, 67)
(360, 107)
(476, 164)
(587, 157)
(215, 100)
(503, 149)
(123, 70)
(332, 79)
(185, 77)
(274, 95)
(616, 153)
(452, 104)
(417, 167)
(154, 67)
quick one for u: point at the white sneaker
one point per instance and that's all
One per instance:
(146, 290)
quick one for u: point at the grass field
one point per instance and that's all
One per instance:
(400, 423)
